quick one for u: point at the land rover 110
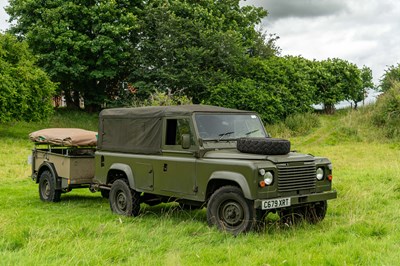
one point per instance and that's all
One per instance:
(200, 156)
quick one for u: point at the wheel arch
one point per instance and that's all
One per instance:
(115, 172)
(225, 178)
(47, 166)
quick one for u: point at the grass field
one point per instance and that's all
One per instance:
(361, 226)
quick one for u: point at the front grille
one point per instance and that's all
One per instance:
(296, 177)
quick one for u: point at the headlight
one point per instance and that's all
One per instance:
(268, 178)
(320, 174)
(261, 172)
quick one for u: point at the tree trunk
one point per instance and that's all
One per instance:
(329, 109)
(94, 96)
(72, 99)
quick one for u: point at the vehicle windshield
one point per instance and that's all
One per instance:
(228, 126)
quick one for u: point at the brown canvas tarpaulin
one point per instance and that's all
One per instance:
(65, 137)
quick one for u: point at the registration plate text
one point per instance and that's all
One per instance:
(275, 203)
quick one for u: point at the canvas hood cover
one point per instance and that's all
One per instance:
(139, 130)
(65, 137)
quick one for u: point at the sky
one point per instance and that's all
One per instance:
(3, 15)
(364, 32)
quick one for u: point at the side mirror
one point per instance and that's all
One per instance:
(185, 141)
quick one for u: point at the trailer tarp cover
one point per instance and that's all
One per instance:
(72, 137)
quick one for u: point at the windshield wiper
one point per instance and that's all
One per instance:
(251, 132)
(225, 134)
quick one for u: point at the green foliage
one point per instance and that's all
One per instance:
(337, 80)
(87, 47)
(25, 90)
(357, 86)
(166, 99)
(279, 87)
(387, 112)
(276, 88)
(289, 78)
(247, 94)
(390, 77)
(91, 47)
(195, 45)
(157, 98)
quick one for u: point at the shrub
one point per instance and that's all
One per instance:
(387, 112)
(249, 95)
(25, 89)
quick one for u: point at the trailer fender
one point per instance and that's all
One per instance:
(127, 170)
(49, 166)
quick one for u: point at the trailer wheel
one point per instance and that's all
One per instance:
(123, 199)
(47, 187)
(230, 211)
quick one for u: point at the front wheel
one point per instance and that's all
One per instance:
(230, 211)
(123, 199)
(47, 188)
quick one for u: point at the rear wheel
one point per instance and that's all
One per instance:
(316, 212)
(292, 216)
(123, 199)
(47, 187)
(230, 211)
(313, 213)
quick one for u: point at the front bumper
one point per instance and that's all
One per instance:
(303, 199)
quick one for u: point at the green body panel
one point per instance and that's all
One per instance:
(192, 167)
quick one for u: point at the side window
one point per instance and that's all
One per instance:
(175, 129)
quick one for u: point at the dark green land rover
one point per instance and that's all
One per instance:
(209, 156)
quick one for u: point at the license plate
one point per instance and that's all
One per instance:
(275, 203)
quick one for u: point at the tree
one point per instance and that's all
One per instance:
(289, 77)
(248, 94)
(367, 83)
(25, 89)
(195, 45)
(358, 80)
(337, 80)
(390, 77)
(276, 88)
(91, 47)
(88, 47)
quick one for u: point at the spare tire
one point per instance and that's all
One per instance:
(266, 146)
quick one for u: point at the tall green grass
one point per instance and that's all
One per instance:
(361, 226)
(295, 125)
